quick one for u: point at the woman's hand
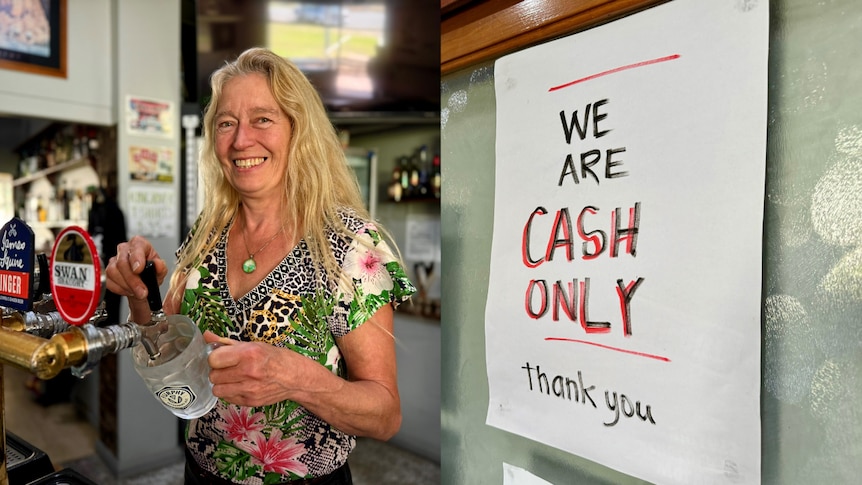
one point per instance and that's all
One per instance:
(123, 274)
(254, 373)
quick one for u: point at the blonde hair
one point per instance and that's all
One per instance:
(318, 183)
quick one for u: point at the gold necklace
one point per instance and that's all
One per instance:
(249, 265)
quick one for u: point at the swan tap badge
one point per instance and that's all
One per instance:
(76, 275)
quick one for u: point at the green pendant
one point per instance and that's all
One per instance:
(249, 265)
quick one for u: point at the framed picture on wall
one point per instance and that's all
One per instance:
(33, 36)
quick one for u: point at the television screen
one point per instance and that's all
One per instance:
(367, 58)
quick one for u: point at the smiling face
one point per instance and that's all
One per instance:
(252, 137)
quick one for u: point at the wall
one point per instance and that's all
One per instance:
(418, 338)
(812, 290)
(418, 354)
(147, 37)
(812, 357)
(86, 94)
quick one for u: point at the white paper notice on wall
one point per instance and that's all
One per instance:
(422, 238)
(152, 210)
(513, 475)
(623, 315)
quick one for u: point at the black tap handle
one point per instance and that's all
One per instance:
(154, 295)
(43, 280)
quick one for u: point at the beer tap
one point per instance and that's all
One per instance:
(78, 347)
(102, 341)
(158, 323)
(44, 335)
(33, 322)
(43, 320)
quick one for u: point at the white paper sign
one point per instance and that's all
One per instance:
(422, 238)
(513, 475)
(623, 314)
(152, 211)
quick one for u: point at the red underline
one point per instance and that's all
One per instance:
(614, 70)
(642, 354)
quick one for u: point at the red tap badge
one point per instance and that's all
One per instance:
(76, 275)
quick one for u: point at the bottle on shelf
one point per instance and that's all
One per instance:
(404, 163)
(63, 195)
(92, 140)
(77, 149)
(87, 203)
(55, 207)
(75, 206)
(46, 153)
(31, 209)
(60, 153)
(436, 178)
(424, 184)
(55, 174)
(414, 175)
(42, 212)
(419, 176)
(395, 183)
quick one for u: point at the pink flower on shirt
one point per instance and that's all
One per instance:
(275, 454)
(239, 423)
(367, 263)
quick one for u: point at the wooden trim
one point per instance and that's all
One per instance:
(59, 17)
(476, 31)
(448, 6)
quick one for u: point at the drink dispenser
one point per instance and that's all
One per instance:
(45, 333)
(152, 330)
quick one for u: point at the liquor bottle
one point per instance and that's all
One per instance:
(93, 140)
(42, 212)
(31, 209)
(436, 179)
(405, 176)
(53, 208)
(77, 142)
(63, 149)
(395, 184)
(75, 206)
(59, 200)
(424, 182)
(28, 164)
(46, 154)
(83, 142)
(87, 203)
(414, 174)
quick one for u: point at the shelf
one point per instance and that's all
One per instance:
(372, 122)
(50, 170)
(414, 200)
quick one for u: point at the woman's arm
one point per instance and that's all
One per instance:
(365, 404)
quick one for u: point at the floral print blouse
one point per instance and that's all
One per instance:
(290, 308)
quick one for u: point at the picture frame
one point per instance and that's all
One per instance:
(33, 40)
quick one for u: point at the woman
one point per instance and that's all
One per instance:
(285, 262)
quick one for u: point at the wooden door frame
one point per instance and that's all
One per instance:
(474, 31)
